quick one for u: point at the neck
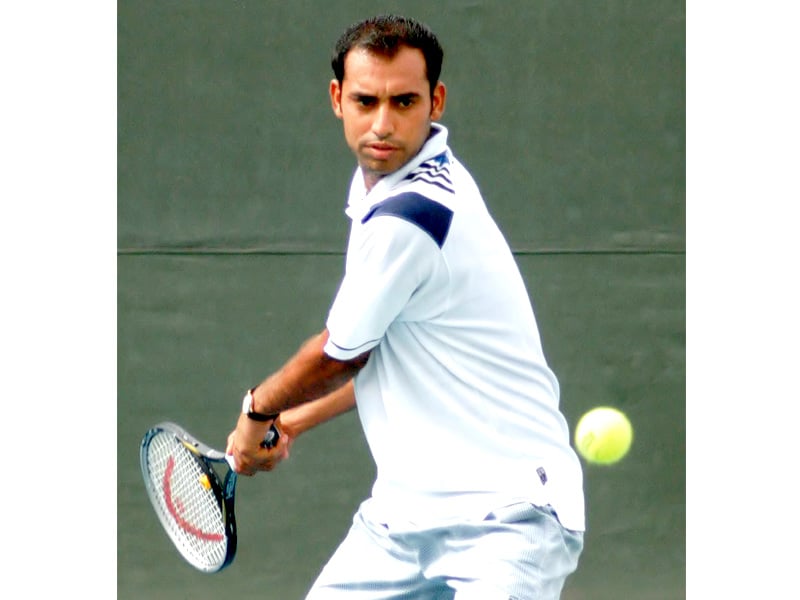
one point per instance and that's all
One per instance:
(370, 179)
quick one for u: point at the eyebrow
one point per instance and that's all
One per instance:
(404, 96)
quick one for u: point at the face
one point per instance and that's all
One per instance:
(386, 107)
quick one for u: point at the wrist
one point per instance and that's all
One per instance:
(249, 409)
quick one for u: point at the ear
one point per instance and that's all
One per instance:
(438, 101)
(336, 97)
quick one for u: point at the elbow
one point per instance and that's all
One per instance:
(350, 366)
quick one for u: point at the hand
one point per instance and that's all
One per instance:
(244, 444)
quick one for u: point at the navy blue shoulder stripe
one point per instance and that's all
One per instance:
(433, 218)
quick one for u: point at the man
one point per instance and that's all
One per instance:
(432, 336)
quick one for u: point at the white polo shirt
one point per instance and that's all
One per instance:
(458, 404)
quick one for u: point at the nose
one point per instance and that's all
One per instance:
(382, 126)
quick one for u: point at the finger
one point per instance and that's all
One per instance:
(283, 449)
(280, 452)
(248, 470)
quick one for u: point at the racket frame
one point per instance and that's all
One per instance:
(224, 489)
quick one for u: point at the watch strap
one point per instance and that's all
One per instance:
(256, 416)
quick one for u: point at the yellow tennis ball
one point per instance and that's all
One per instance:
(603, 435)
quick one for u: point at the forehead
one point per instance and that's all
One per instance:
(368, 72)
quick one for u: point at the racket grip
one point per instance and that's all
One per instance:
(272, 437)
(270, 440)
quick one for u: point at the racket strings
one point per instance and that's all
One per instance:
(186, 502)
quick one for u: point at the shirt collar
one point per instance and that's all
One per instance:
(359, 200)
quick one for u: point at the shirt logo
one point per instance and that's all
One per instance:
(542, 475)
(435, 171)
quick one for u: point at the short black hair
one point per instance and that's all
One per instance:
(386, 34)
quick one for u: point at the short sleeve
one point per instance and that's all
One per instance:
(390, 259)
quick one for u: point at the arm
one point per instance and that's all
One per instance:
(306, 416)
(309, 389)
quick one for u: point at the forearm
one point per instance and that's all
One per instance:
(308, 390)
(307, 416)
(309, 375)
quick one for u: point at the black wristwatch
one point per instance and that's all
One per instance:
(247, 409)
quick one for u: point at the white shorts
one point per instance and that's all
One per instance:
(518, 552)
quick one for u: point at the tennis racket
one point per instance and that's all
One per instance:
(192, 501)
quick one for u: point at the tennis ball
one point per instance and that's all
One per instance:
(603, 435)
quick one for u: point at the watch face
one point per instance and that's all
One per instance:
(247, 403)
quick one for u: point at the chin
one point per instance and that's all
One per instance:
(379, 169)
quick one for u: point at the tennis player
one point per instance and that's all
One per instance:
(433, 338)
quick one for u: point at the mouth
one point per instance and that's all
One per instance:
(380, 150)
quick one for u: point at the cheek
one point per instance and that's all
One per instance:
(353, 137)
(351, 132)
(352, 124)
(420, 128)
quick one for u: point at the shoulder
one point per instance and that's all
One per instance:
(418, 209)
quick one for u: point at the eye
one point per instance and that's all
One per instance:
(405, 101)
(366, 101)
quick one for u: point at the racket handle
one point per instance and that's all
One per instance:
(270, 440)
(272, 437)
